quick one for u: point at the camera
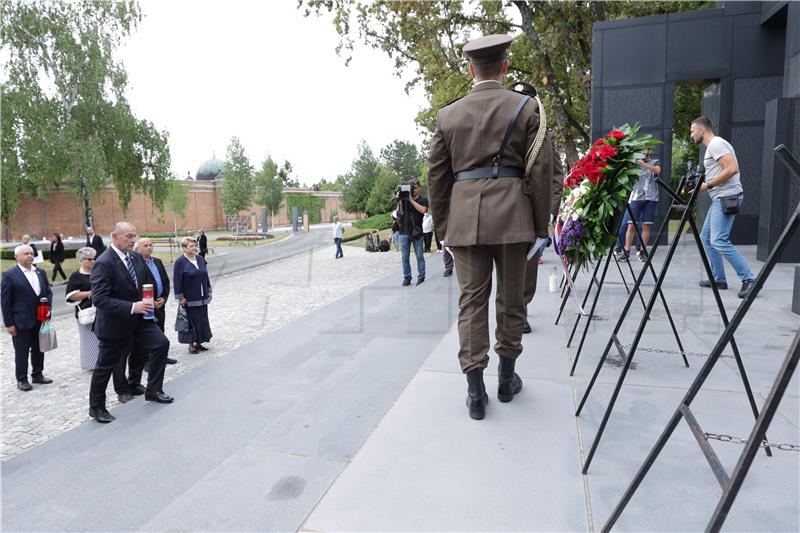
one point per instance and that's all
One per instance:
(403, 190)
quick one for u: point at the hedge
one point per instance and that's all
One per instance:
(305, 202)
(164, 234)
(378, 222)
(69, 253)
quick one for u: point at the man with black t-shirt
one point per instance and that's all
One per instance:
(411, 210)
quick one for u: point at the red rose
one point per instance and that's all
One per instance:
(618, 135)
(598, 142)
(607, 151)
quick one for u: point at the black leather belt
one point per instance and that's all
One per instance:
(488, 172)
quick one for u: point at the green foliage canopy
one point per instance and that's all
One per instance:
(237, 187)
(66, 122)
(551, 48)
(269, 186)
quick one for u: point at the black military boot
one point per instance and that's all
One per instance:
(476, 394)
(508, 382)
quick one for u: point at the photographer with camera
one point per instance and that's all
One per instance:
(411, 208)
(724, 186)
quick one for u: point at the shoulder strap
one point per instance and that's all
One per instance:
(498, 159)
(533, 151)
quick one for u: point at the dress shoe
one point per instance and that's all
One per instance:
(421, 280)
(476, 394)
(137, 390)
(159, 397)
(746, 287)
(41, 380)
(171, 361)
(24, 385)
(721, 285)
(447, 273)
(101, 415)
(193, 349)
(508, 382)
(124, 397)
(201, 347)
(526, 327)
(406, 282)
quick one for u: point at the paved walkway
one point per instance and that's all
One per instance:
(352, 418)
(246, 305)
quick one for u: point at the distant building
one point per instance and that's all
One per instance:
(210, 170)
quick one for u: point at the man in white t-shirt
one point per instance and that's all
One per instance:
(338, 234)
(722, 182)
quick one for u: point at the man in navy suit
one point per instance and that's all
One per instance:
(20, 291)
(117, 279)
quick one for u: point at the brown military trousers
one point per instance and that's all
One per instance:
(474, 270)
(531, 276)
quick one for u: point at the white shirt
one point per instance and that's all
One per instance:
(338, 230)
(32, 277)
(427, 223)
(717, 148)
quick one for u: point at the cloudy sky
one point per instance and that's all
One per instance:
(208, 70)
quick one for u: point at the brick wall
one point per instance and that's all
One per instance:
(62, 212)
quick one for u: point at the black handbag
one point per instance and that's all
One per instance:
(730, 204)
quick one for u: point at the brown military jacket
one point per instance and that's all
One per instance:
(488, 211)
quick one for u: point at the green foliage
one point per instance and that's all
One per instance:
(552, 51)
(306, 202)
(381, 197)
(66, 120)
(379, 222)
(360, 180)
(69, 253)
(164, 234)
(177, 197)
(325, 185)
(284, 174)
(237, 187)
(404, 158)
(688, 101)
(269, 186)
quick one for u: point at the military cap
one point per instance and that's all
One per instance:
(487, 49)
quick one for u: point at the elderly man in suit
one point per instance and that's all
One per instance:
(140, 354)
(117, 279)
(21, 290)
(489, 209)
(93, 240)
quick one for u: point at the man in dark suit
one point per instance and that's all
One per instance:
(140, 354)
(490, 207)
(20, 291)
(93, 240)
(117, 279)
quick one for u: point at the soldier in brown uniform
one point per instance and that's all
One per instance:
(532, 270)
(489, 210)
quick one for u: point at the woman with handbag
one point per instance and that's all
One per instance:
(57, 255)
(193, 292)
(79, 295)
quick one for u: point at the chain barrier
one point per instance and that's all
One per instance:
(674, 352)
(738, 440)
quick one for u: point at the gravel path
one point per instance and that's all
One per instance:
(246, 305)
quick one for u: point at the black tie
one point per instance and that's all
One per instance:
(131, 271)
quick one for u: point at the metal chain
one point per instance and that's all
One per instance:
(674, 352)
(738, 440)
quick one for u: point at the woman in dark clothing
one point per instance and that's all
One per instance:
(193, 292)
(57, 255)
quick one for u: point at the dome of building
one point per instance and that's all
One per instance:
(211, 169)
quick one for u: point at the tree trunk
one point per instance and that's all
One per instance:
(88, 216)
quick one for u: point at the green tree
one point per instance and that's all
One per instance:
(325, 185)
(404, 158)
(360, 180)
(269, 186)
(285, 175)
(381, 197)
(66, 120)
(552, 47)
(237, 187)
